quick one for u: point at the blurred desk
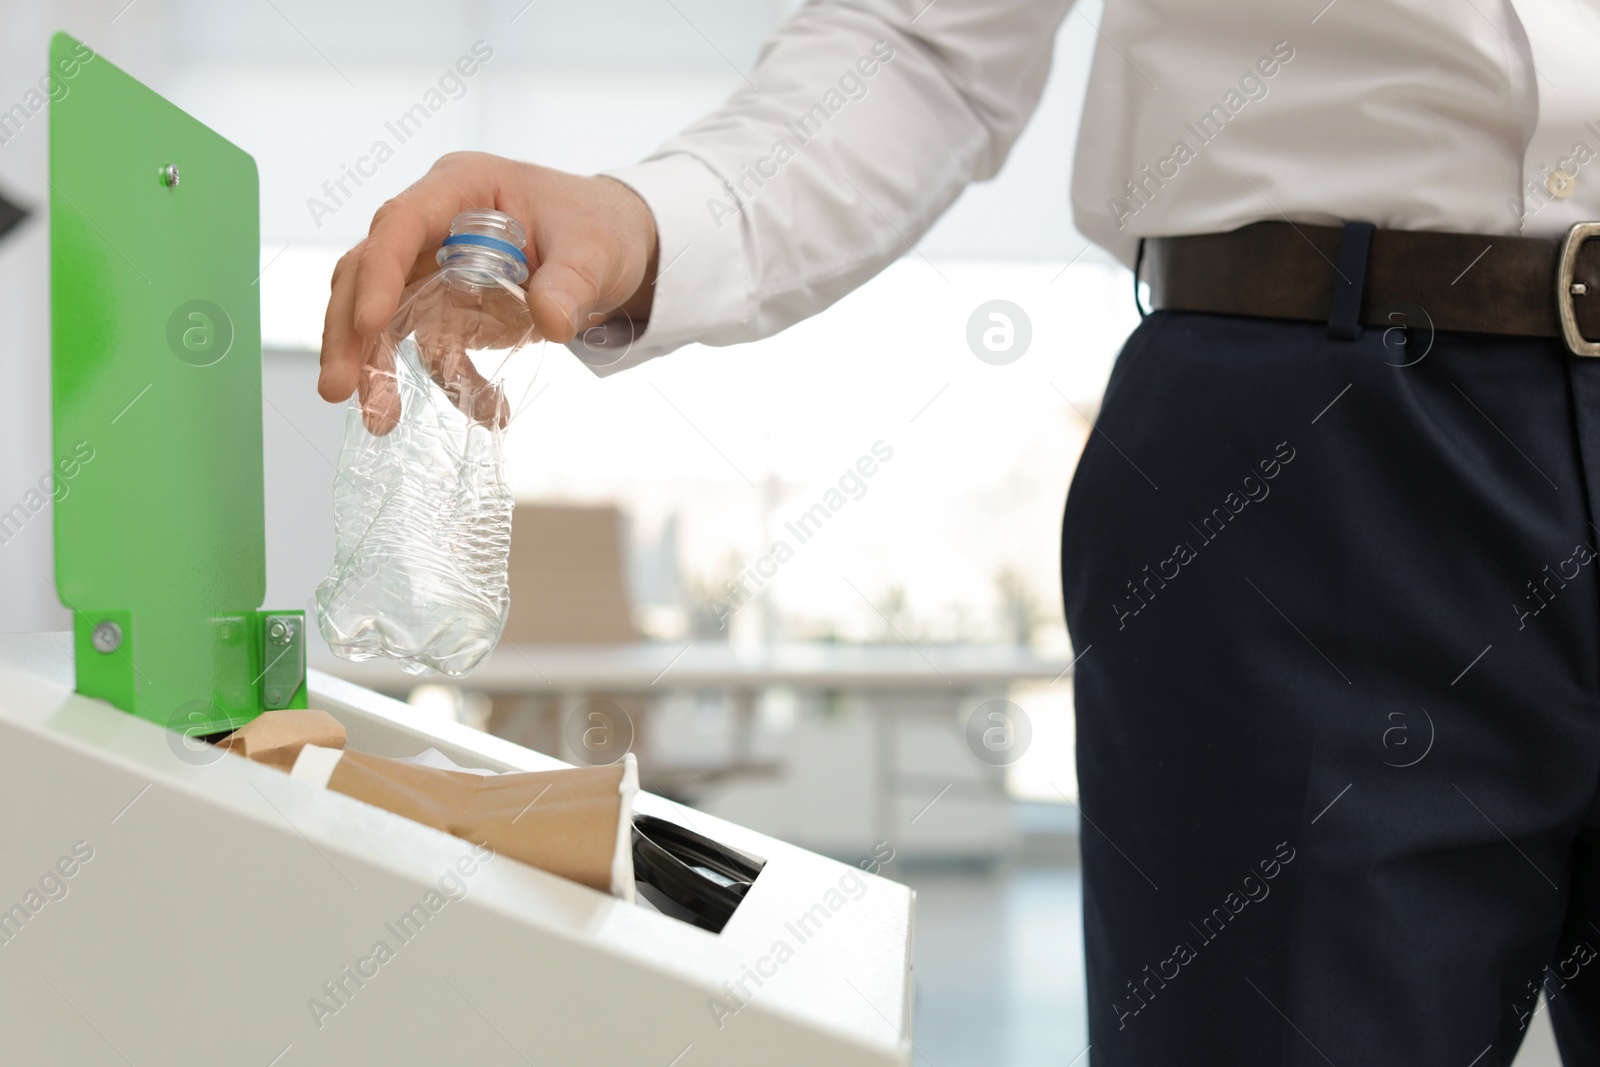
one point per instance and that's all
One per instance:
(879, 750)
(653, 666)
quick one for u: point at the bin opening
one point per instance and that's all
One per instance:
(689, 876)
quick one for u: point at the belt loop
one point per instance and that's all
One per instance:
(1350, 278)
(1138, 262)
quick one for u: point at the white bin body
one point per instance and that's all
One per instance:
(217, 911)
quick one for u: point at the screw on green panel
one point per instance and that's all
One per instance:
(103, 645)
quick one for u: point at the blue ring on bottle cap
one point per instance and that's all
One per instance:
(486, 242)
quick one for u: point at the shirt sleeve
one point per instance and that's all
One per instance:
(861, 123)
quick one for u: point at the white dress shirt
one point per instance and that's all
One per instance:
(864, 119)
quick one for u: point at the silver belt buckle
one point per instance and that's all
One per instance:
(1567, 289)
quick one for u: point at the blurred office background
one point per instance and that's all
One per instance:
(836, 707)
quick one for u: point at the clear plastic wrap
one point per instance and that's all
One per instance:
(422, 508)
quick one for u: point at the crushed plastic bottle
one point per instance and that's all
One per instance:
(422, 511)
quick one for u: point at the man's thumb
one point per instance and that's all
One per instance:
(560, 297)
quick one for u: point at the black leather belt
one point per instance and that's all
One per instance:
(1473, 283)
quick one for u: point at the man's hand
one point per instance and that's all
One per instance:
(591, 250)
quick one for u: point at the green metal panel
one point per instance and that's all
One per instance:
(156, 378)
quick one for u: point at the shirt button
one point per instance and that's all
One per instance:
(1561, 183)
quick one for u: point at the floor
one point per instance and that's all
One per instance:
(999, 970)
(999, 967)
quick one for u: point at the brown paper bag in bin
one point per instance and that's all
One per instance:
(276, 737)
(575, 821)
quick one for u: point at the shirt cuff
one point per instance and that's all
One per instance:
(702, 278)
